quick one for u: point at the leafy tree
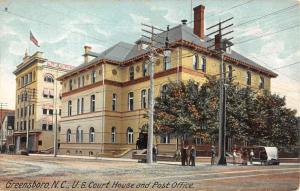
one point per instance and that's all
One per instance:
(191, 109)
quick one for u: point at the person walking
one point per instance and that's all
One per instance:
(154, 153)
(251, 156)
(183, 153)
(213, 155)
(244, 156)
(192, 156)
(234, 155)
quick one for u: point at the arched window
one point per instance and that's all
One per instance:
(195, 62)
(79, 135)
(92, 135)
(48, 78)
(68, 135)
(143, 99)
(129, 135)
(131, 73)
(113, 135)
(114, 102)
(130, 101)
(92, 103)
(78, 106)
(145, 69)
(69, 108)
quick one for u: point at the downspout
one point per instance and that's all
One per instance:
(103, 108)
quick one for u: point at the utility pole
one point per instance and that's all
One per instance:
(1, 127)
(55, 110)
(152, 57)
(220, 48)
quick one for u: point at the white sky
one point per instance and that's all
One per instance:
(64, 27)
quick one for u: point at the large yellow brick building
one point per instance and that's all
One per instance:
(38, 94)
(106, 97)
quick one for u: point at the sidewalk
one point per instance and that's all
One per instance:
(113, 159)
(135, 160)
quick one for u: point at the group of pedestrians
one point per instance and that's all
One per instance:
(242, 155)
(188, 155)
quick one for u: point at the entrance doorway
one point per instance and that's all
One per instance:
(143, 137)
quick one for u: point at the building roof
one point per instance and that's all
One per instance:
(6, 112)
(122, 51)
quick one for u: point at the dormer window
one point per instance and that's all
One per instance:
(203, 64)
(144, 69)
(131, 73)
(195, 62)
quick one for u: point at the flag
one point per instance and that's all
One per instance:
(34, 40)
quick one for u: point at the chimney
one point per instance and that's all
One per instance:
(218, 42)
(86, 51)
(199, 21)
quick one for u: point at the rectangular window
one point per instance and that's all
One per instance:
(143, 99)
(59, 112)
(51, 95)
(25, 125)
(29, 112)
(25, 80)
(130, 101)
(79, 82)
(50, 111)
(261, 82)
(30, 77)
(114, 102)
(229, 72)
(248, 78)
(45, 93)
(22, 81)
(29, 124)
(40, 143)
(21, 112)
(45, 111)
(32, 109)
(82, 81)
(92, 103)
(50, 127)
(25, 111)
(44, 127)
(70, 85)
(149, 97)
(32, 121)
